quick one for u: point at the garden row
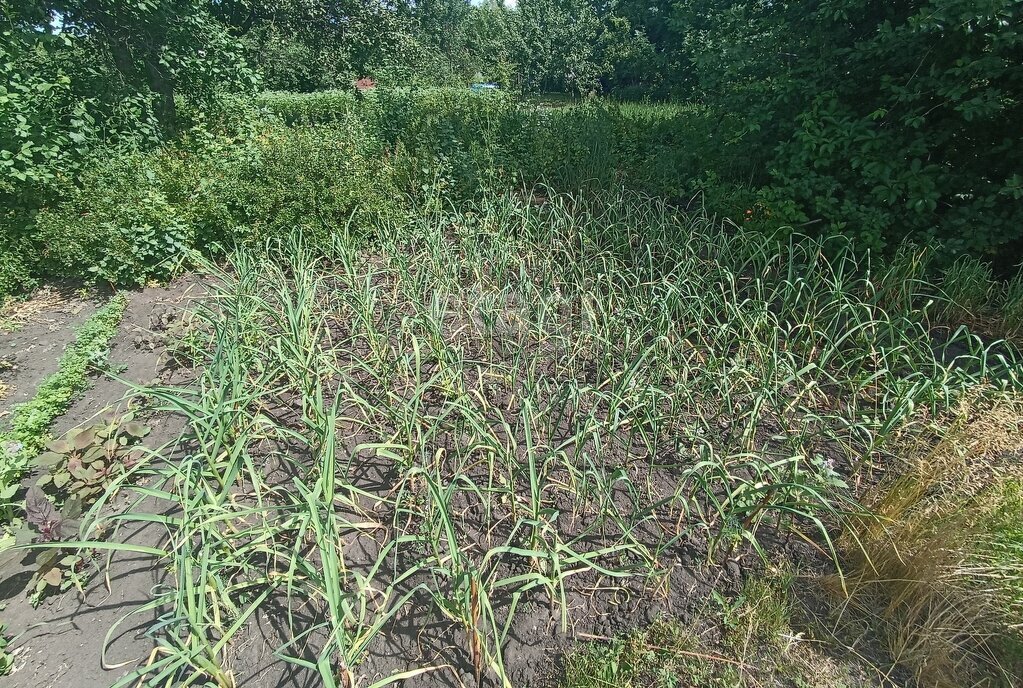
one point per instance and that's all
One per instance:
(441, 448)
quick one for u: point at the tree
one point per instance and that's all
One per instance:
(163, 47)
(574, 45)
(494, 44)
(877, 119)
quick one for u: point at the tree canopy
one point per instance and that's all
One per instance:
(878, 119)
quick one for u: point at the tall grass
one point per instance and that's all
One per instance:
(510, 402)
(938, 571)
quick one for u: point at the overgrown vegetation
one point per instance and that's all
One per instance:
(937, 570)
(747, 641)
(745, 288)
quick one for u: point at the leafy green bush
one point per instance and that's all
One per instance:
(15, 267)
(136, 217)
(471, 142)
(307, 108)
(317, 178)
(880, 121)
(119, 224)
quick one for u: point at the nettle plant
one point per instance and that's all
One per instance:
(83, 462)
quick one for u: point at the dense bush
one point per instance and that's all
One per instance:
(16, 271)
(119, 224)
(318, 162)
(352, 160)
(138, 216)
(880, 120)
(471, 141)
(317, 179)
(322, 106)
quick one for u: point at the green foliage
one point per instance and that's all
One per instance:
(1011, 306)
(30, 421)
(880, 121)
(141, 216)
(56, 108)
(6, 658)
(120, 225)
(159, 49)
(318, 180)
(658, 657)
(473, 142)
(355, 161)
(578, 46)
(967, 285)
(83, 462)
(311, 108)
(16, 271)
(309, 46)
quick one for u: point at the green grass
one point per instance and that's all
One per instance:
(665, 655)
(1005, 543)
(30, 421)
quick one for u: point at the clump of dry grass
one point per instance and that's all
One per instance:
(16, 313)
(923, 566)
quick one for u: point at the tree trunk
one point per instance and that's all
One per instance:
(163, 87)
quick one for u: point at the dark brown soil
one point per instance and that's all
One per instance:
(30, 353)
(62, 642)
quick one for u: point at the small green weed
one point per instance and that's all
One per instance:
(754, 646)
(665, 655)
(83, 462)
(30, 422)
(6, 658)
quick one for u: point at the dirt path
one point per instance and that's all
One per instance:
(33, 334)
(62, 642)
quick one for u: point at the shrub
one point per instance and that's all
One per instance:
(16, 269)
(473, 142)
(136, 217)
(317, 178)
(305, 108)
(119, 224)
(882, 121)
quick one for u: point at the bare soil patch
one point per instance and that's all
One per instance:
(65, 640)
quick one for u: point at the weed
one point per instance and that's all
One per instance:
(85, 460)
(6, 658)
(757, 648)
(30, 421)
(938, 569)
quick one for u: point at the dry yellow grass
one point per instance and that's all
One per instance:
(16, 313)
(918, 567)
